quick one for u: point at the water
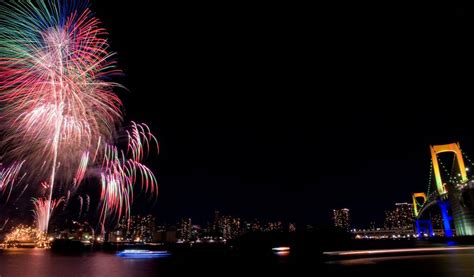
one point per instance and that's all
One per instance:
(38, 262)
(458, 263)
(41, 262)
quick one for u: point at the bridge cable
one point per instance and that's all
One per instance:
(430, 178)
(450, 178)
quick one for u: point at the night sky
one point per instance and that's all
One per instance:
(280, 112)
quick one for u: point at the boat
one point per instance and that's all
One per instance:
(142, 254)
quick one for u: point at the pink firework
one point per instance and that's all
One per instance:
(120, 173)
(59, 112)
(55, 90)
(43, 209)
(8, 177)
(54, 86)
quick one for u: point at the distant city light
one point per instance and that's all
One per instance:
(341, 218)
(284, 248)
(399, 250)
(26, 235)
(282, 251)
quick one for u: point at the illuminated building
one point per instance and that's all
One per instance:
(74, 230)
(437, 221)
(142, 228)
(147, 228)
(117, 236)
(230, 227)
(185, 229)
(400, 218)
(226, 227)
(216, 228)
(341, 218)
(274, 227)
(137, 229)
(165, 233)
(256, 226)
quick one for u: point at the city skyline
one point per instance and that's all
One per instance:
(222, 139)
(243, 149)
(246, 157)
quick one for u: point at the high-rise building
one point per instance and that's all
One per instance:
(137, 228)
(341, 219)
(147, 228)
(215, 224)
(226, 227)
(216, 229)
(230, 227)
(401, 217)
(165, 233)
(185, 230)
(437, 221)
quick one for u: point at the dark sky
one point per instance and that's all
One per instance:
(288, 112)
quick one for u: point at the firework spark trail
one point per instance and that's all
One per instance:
(88, 203)
(139, 139)
(120, 174)
(81, 202)
(4, 224)
(43, 210)
(59, 111)
(55, 91)
(21, 193)
(66, 200)
(81, 171)
(8, 177)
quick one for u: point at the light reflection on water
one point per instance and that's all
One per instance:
(379, 260)
(442, 264)
(40, 262)
(36, 262)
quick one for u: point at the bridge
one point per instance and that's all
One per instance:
(451, 196)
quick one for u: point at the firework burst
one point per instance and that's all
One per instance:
(121, 171)
(59, 112)
(55, 91)
(43, 209)
(54, 86)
